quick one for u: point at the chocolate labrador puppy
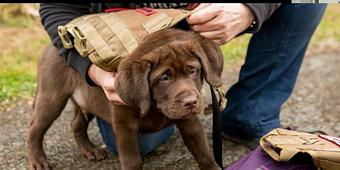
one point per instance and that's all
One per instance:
(160, 81)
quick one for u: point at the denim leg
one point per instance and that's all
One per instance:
(268, 76)
(147, 142)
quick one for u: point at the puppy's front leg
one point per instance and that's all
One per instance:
(127, 145)
(126, 133)
(195, 139)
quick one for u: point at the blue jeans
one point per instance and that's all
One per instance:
(268, 76)
(266, 79)
(147, 142)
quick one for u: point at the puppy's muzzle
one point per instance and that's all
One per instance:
(189, 102)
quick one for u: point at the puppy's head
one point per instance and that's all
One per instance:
(167, 69)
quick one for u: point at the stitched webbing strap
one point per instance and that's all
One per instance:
(157, 23)
(127, 28)
(118, 27)
(96, 41)
(285, 155)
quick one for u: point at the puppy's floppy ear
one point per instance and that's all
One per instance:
(211, 58)
(132, 84)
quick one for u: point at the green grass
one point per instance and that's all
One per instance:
(18, 61)
(235, 51)
(329, 25)
(12, 15)
(18, 71)
(17, 22)
(16, 84)
(21, 46)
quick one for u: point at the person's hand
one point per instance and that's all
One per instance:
(220, 22)
(107, 81)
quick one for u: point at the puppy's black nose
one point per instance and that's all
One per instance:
(189, 101)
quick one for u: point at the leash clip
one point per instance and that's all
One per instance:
(222, 100)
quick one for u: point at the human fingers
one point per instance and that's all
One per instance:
(204, 15)
(217, 23)
(108, 82)
(221, 41)
(113, 97)
(110, 91)
(211, 35)
(200, 6)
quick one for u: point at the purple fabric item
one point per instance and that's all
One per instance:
(258, 159)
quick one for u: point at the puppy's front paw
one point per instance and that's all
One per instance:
(39, 162)
(94, 153)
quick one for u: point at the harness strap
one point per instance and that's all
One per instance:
(96, 41)
(157, 23)
(117, 26)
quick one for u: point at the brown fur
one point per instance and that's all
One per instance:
(160, 82)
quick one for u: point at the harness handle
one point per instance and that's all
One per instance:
(145, 10)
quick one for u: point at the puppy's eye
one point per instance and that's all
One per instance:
(194, 71)
(165, 77)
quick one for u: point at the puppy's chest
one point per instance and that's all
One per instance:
(154, 122)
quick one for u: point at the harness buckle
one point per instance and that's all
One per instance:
(80, 41)
(65, 39)
(222, 100)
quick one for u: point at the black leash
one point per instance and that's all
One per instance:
(217, 127)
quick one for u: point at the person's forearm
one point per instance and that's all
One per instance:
(53, 15)
(261, 11)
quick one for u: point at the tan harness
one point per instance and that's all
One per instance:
(107, 37)
(325, 150)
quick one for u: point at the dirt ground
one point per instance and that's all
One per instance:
(314, 105)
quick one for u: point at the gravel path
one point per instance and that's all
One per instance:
(314, 105)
